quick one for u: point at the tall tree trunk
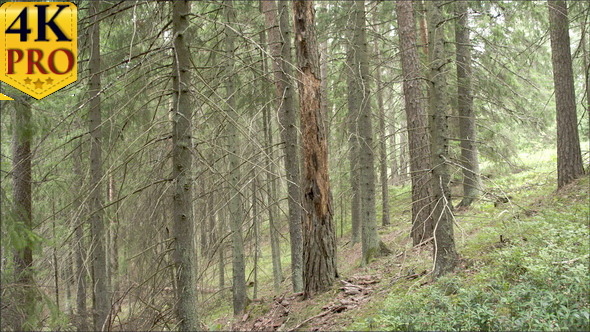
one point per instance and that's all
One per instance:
(275, 243)
(183, 218)
(586, 63)
(54, 258)
(211, 225)
(418, 138)
(271, 183)
(467, 129)
(569, 156)
(204, 229)
(210, 222)
(280, 42)
(100, 293)
(370, 238)
(221, 229)
(256, 227)
(354, 104)
(319, 241)
(382, 146)
(79, 249)
(23, 256)
(233, 145)
(445, 255)
(114, 239)
(68, 276)
(586, 54)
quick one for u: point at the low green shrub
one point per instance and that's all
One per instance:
(538, 281)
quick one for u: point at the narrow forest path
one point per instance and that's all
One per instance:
(357, 291)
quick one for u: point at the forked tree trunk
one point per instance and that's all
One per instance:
(417, 124)
(183, 218)
(319, 241)
(569, 156)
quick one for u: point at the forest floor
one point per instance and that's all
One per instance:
(500, 282)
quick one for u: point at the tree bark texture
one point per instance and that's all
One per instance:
(256, 228)
(204, 230)
(280, 46)
(445, 256)
(23, 213)
(467, 128)
(370, 238)
(221, 229)
(385, 219)
(417, 122)
(236, 209)
(79, 249)
(319, 242)
(354, 98)
(271, 181)
(113, 236)
(586, 56)
(100, 293)
(569, 156)
(183, 218)
(325, 90)
(212, 226)
(420, 14)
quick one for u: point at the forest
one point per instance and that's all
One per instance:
(304, 165)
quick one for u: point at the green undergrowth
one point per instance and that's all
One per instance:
(524, 265)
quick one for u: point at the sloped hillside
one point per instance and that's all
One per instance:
(524, 266)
